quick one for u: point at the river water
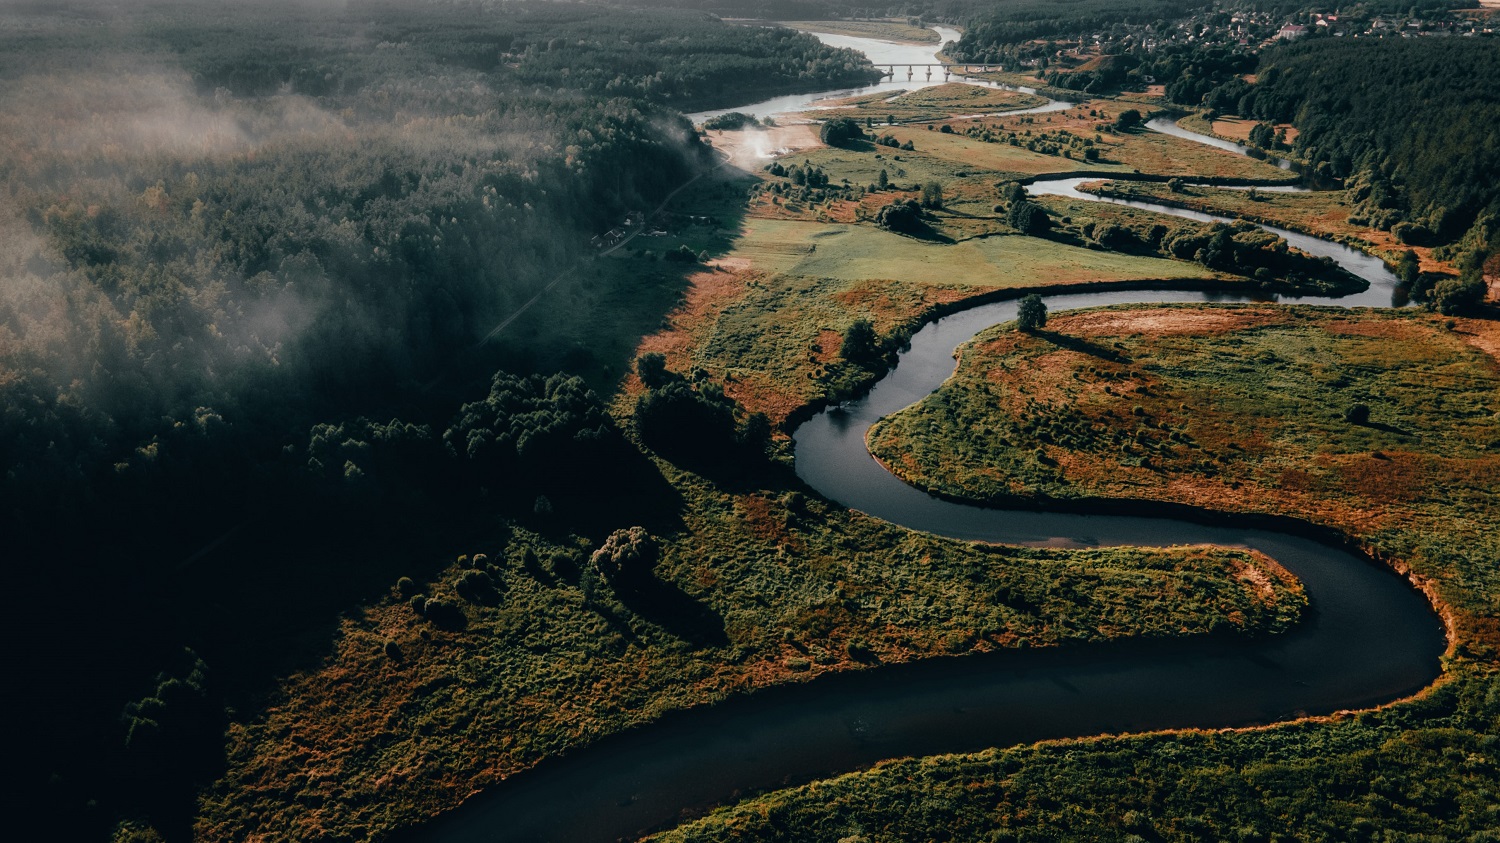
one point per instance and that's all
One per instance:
(1369, 637)
(883, 54)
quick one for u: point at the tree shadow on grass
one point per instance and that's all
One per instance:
(1083, 346)
(668, 606)
(1388, 428)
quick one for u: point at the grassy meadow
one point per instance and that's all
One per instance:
(770, 321)
(1138, 151)
(757, 584)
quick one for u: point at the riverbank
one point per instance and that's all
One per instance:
(1322, 214)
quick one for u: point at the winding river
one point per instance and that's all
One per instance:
(1369, 637)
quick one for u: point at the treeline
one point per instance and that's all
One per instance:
(1187, 73)
(1002, 24)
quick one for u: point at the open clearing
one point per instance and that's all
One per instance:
(854, 252)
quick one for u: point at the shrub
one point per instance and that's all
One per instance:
(840, 131)
(1032, 313)
(903, 215)
(678, 417)
(932, 195)
(564, 564)
(1457, 295)
(1028, 218)
(475, 587)
(681, 254)
(652, 369)
(860, 344)
(443, 614)
(625, 555)
(1129, 119)
(729, 122)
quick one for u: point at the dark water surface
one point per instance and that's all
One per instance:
(1369, 638)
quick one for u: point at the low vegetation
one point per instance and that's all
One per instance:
(1239, 247)
(1424, 769)
(1322, 213)
(935, 103)
(321, 352)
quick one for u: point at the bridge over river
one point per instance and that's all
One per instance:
(948, 69)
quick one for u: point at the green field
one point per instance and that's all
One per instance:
(1144, 152)
(775, 341)
(861, 252)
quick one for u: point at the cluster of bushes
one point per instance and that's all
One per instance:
(694, 419)
(840, 131)
(734, 121)
(1020, 212)
(1240, 248)
(903, 216)
(810, 175)
(890, 141)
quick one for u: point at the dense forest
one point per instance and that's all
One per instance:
(238, 241)
(1408, 124)
(1014, 22)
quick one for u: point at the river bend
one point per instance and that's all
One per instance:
(1368, 638)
